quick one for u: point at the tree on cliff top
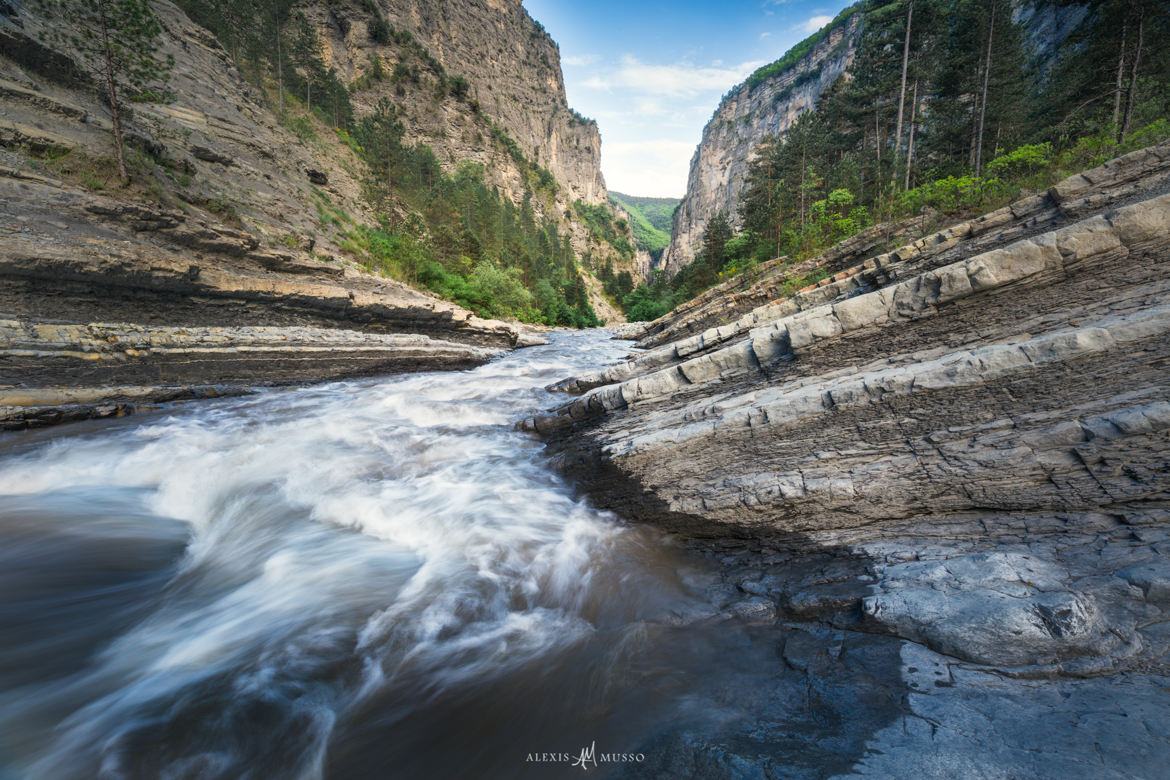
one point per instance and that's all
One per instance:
(118, 41)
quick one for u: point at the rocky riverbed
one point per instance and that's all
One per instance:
(961, 444)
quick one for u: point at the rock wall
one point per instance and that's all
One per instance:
(748, 115)
(744, 118)
(963, 444)
(513, 69)
(220, 265)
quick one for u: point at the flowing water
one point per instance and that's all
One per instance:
(368, 578)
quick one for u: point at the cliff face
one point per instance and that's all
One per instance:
(224, 263)
(513, 68)
(515, 72)
(744, 118)
(757, 109)
(515, 94)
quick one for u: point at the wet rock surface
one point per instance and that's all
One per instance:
(958, 448)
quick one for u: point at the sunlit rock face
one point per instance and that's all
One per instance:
(751, 113)
(514, 71)
(742, 121)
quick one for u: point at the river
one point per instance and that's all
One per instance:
(379, 577)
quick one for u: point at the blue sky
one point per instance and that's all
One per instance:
(652, 73)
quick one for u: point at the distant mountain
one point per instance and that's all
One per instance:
(650, 220)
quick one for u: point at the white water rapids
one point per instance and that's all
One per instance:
(379, 577)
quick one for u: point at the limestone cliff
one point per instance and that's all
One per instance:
(512, 66)
(236, 224)
(745, 117)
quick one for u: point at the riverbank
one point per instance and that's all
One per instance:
(962, 444)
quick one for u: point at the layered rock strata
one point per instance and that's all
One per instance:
(98, 292)
(962, 444)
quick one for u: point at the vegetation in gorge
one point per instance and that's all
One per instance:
(118, 41)
(650, 220)
(446, 232)
(461, 238)
(945, 114)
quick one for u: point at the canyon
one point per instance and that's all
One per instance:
(178, 286)
(911, 519)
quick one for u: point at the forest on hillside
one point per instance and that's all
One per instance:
(445, 231)
(946, 113)
(650, 219)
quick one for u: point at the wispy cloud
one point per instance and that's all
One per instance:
(580, 61)
(815, 23)
(678, 80)
(764, 35)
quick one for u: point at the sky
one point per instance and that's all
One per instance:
(652, 73)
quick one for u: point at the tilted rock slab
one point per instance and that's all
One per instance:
(972, 455)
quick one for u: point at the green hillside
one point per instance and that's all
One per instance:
(650, 219)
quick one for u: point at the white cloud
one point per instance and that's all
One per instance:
(815, 23)
(764, 35)
(679, 80)
(656, 167)
(579, 61)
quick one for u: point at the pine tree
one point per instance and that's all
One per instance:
(1109, 65)
(380, 136)
(306, 54)
(978, 105)
(119, 41)
(905, 73)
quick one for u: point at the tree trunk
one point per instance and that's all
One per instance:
(279, 59)
(983, 101)
(910, 146)
(112, 94)
(1120, 72)
(803, 169)
(974, 132)
(902, 90)
(1130, 99)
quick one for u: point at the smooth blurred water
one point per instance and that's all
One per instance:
(361, 579)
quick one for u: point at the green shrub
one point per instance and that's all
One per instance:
(951, 195)
(379, 30)
(459, 87)
(1024, 161)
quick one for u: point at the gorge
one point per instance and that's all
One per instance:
(314, 463)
